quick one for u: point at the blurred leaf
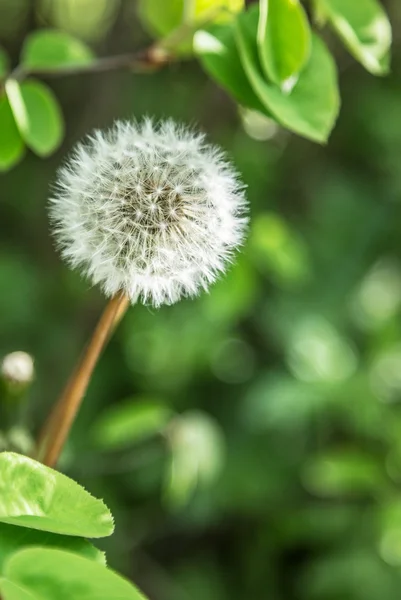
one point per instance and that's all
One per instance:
(279, 249)
(284, 40)
(197, 454)
(4, 63)
(312, 106)
(49, 48)
(365, 29)
(13, 538)
(161, 18)
(49, 574)
(34, 496)
(130, 422)
(11, 146)
(37, 114)
(389, 517)
(343, 472)
(219, 56)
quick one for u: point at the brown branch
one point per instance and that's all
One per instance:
(60, 420)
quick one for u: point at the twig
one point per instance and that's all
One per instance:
(60, 420)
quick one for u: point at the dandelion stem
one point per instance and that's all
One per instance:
(57, 427)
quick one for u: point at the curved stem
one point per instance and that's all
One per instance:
(57, 427)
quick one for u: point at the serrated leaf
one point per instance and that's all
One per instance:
(219, 56)
(12, 145)
(365, 29)
(37, 114)
(51, 574)
(4, 63)
(13, 539)
(312, 106)
(130, 422)
(284, 40)
(50, 48)
(37, 497)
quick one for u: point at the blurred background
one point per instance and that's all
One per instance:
(248, 442)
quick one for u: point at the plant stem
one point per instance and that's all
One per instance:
(57, 427)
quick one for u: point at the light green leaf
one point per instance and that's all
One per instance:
(312, 106)
(365, 29)
(197, 455)
(37, 114)
(161, 18)
(219, 56)
(51, 574)
(130, 422)
(4, 63)
(343, 472)
(50, 48)
(284, 40)
(34, 496)
(11, 144)
(13, 539)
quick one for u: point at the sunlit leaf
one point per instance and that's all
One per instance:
(219, 57)
(37, 114)
(13, 538)
(51, 574)
(365, 30)
(311, 108)
(11, 145)
(129, 422)
(32, 495)
(284, 40)
(161, 18)
(197, 454)
(50, 48)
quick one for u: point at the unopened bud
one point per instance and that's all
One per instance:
(17, 368)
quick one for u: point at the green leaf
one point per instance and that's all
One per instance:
(161, 18)
(11, 145)
(51, 574)
(37, 114)
(284, 40)
(13, 539)
(4, 63)
(219, 56)
(197, 455)
(50, 48)
(32, 495)
(312, 106)
(130, 422)
(365, 29)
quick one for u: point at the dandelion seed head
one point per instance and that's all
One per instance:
(152, 210)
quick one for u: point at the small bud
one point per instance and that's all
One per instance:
(17, 368)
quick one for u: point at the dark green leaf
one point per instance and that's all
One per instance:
(51, 574)
(13, 538)
(219, 57)
(284, 40)
(11, 145)
(312, 106)
(37, 114)
(365, 30)
(4, 63)
(50, 48)
(32, 495)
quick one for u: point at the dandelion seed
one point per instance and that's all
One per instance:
(173, 217)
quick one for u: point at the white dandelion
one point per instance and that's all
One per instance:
(151, 211)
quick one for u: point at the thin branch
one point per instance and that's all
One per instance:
(145, 60)
(60, 420)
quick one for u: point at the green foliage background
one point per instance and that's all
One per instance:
(248, 443)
